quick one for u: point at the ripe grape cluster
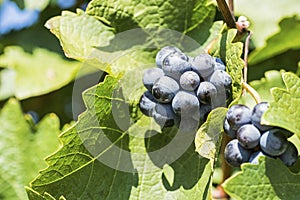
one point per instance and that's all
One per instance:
(251, 139)
(182, 90)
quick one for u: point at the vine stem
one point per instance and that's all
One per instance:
(246, 52)
(226, 13)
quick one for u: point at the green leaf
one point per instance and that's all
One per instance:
(87, 31)
(107, 156)
(209, 136)
(270, 179)
(263, 87)
(34, 74)
(279, 42)
(192, 17)
(265, 24)
(285, 111)
(23, 148)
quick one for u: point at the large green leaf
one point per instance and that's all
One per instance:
(191, 17)
(270, 179)
(23, 147)
(29, 75)
(105, 156)
(286, 39)
(285, 111)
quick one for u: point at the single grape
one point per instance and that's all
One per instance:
(255, 156)
(163, 53)
(290, 156)
(273, 142)
(235, 154)
(220, 79)
(147, 103)
(164, 115)
(257, 112)
(164, 89)
(206, 92)
(203, 64)
(238, 115)
(189, 80)
(228, 130)
(186, 104)
(150, 75)
(219, 65)
(248, 136)
(174, 66)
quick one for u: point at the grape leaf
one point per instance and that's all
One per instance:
(279, 42)
(23, 148)
(192, 20)
(270, 179)
(34, 74)
(209, 136)
(284, 111)
(106, 156)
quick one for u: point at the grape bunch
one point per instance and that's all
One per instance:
(251, 139)
(182, 90)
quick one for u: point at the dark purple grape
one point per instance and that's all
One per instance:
(290, 156)
(248, 136)
(273, 142)
(238, 115)
(235, 154)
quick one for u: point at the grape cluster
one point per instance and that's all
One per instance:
(182, 90)
(251, 139)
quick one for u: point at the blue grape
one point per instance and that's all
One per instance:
(163, 53)
(147, 103)
(189, 80)
(203, 64)
(257, 112)
(255, 156)
(164, 89)
(206, 92)
(238, 115)
(163, 115)
(235, 154)
(174, 66)
(186, 104)
(290, 156)
(273, 142)
(228, 130)
(150, 75)
(248, 136)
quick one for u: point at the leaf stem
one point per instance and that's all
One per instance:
(252, 92)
